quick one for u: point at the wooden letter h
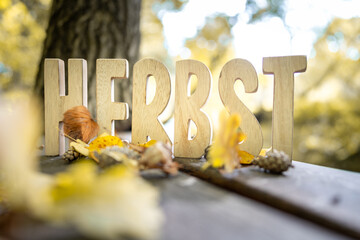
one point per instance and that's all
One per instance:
(56, 102)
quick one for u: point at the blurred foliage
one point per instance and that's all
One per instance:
(151, 32)
(22, 31)
(212, 44)
(152, 38)
(327, 113)
(268, 8)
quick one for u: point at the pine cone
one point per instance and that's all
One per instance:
(70, 155)
(275, 162)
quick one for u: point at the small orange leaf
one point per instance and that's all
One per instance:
(245, 157)
(78, 124)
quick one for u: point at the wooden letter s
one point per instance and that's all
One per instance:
(243, 70)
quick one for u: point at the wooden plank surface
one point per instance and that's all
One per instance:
(195, 209)
(327, 196)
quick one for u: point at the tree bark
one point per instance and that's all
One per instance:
(93, 29)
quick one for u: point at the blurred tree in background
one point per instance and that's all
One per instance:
(92, 29)
(326, 102)
(327, 111)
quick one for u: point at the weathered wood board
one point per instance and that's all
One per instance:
(196, 210)
(327, 196)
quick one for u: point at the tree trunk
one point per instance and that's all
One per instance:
(93, 29)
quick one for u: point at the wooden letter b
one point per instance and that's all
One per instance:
(187, 108)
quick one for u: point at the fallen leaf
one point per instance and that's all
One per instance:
(80, 147)
(159, 156)
(78, 124)
(101, 142)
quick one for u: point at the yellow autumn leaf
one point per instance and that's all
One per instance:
(245, 157)
(80, 147)
(103, 141)
(264, 151)
(82, 194)
(148, 144)
(241, 136)
(225, 150)
(217, 163)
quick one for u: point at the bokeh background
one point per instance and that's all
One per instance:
(327, 95)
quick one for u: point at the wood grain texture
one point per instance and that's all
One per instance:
(56, 103)
(108, 70)
(189, 108)
(326, 196)
(241, 69)
(283, 69)
(196, 210)
(145, 122)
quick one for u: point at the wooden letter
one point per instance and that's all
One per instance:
(188, 108)
(106, 109)
(283, 69)
(145, 122)
(56, 103)
(243, 70)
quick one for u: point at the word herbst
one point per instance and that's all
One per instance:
(145, 122)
